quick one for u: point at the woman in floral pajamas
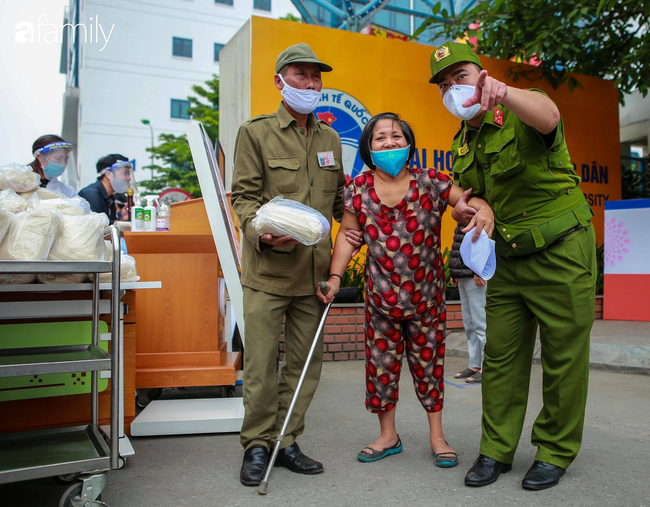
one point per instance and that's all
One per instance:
(399, 211)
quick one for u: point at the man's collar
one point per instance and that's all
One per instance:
(285, 118)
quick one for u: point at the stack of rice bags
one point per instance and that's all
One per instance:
(45, 228)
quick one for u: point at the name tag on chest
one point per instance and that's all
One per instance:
(326, 158)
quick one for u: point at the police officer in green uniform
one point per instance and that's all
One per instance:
(287, 153)
(510, 149)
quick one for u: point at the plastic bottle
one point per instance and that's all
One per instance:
(162, 219)
(150, 218)
(137, 222)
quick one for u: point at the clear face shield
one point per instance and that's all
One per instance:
(120, 175)
(54, 158)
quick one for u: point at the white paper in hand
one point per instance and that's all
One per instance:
(479, 256)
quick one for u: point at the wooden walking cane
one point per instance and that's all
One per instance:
(264, 485)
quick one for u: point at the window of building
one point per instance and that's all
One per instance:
(224, 2)
(262, 5)
(182, 47)
(217, 49)
(179, 109)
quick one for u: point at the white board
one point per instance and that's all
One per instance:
(221, 221)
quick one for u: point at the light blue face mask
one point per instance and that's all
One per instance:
(390, 161)
(53, 170)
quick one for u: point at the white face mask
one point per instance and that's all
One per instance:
(301, 101)
(454, 98)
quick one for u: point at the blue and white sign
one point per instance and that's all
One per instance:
(347, 116)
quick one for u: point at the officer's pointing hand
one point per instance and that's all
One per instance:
(489, 92)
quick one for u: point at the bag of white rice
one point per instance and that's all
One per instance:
(43, 193)
(19, 178)
(66, 205)
(5, 222)
(128, 271)
(30, 238)
(81, 239)
(285, 217)
(12, 202)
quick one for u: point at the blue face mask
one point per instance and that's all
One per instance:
(53, 170)
(391, 161)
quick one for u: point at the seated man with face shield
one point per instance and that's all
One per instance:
(51, 155)
(113, 176)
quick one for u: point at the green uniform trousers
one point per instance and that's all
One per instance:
(267, 395)
(554, 288)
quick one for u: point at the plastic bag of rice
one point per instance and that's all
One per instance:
(285, 217)
(81, 239)
(19, 178)
(12, 202)
(30, 237)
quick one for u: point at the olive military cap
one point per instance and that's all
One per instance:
(450, 53)
(299, 53)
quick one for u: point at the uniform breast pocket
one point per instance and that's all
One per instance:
(502, 152)
(466, 173)
(283, 175)
(330, 178)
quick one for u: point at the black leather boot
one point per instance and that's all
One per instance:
(485, 471)
(293, 458)
(542, 475)
(254, 465)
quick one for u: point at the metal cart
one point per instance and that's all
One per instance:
(71, 450)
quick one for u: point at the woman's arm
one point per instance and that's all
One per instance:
(341, 257)
(484, 217)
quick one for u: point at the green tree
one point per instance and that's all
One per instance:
(291, 17)
(601, 38)
(176, 167)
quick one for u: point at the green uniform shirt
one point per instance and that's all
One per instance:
(532, 188)
(273, 157)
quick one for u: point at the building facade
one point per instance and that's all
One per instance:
(128, 61)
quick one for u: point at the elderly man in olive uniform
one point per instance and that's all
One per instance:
(287, 153)
(510, 149)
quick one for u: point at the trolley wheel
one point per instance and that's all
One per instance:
(145, 396)
(70, 494)
(65, 479)
(121, 463)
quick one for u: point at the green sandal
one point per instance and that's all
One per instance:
(375, 455)
(445, 459)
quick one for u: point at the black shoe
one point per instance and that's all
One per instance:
(485, 471)
(293, 458)
(254, 465)
(542, 475)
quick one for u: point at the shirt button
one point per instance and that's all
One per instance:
(487, 166)
(560, 163)
(498, 148)
(302, 131)
(514, 245)
(568, 192)
(311, 182)
(508, 236)
(479, 146)
(504, 229)
(525, 214)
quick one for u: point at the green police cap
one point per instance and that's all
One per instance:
(450, 53)
(299, 53)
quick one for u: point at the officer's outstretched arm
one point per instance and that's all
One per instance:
(533, 108)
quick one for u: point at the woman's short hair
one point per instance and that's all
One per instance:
(366, 136)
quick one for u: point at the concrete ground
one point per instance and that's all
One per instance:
(203, 470)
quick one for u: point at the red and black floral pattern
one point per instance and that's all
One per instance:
(405, 303)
